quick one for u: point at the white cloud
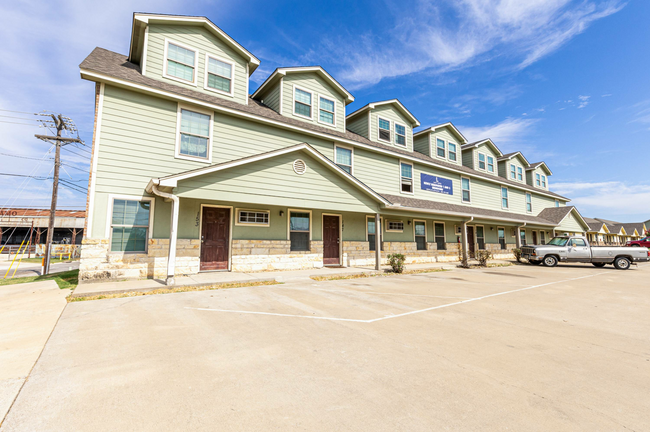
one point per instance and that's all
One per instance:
(584, 101)
(610, 200)
(454, 34)
(508, 131)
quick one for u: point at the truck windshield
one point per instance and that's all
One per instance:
(558, 241)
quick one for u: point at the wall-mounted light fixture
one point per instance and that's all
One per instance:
(491, 228)
(281, 212)
(409, 222)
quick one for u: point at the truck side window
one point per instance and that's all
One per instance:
(578, 242)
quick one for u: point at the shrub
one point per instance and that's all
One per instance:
(396, 262)
(483, 256)
(517, 253)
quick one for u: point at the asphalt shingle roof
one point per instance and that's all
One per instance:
(555, 214)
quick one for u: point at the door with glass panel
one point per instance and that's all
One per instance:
(420, 235)
(502, 237)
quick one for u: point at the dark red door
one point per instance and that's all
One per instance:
(331, 239)
(215, 238)
(470, 240)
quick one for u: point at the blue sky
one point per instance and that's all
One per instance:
(562, 81)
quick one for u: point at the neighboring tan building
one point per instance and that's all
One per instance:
(607, 232)
(284, 178)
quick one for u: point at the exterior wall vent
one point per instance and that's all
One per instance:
(299, 166)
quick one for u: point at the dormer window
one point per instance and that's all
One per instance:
(513, 172)
(302, 102)
(520, 174)
(384, 129)
(543, 181)
(180, 62)
(490, 164)
(440, 148)
(326, 111)
(481, 161)
(219, 75)
(538, 181)
(452, 152)
(400, 135)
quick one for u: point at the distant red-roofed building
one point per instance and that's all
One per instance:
(15, 225)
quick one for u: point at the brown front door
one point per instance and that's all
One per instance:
(215, 238)
(534, 237)
(470, 240)
(331, 239)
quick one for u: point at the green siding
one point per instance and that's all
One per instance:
(389, 112)
(272, 97)
(468, 158)
(487, 150)
(199, 39)
(359, 125)
(572, 224)
(421, 144)
(312, 82)
(447, 136)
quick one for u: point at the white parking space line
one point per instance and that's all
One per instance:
(386, 317)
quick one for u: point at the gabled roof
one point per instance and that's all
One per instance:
(639, 227)
(449, 125)
(172, 180)
(487, 141)
(558, 214)
(509, 156)
(542, 165)
(617, 229)
(140, 20)
(397, 103)
(280, 72)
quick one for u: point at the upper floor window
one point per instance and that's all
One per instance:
(543, 181)
(194, 136)
(440, 148)
(513, 172)
(180, 62)
(481, 161)
(490, 163)
(538, 180)
(529, 203)
(465, 185)
(326, 111)
(406, 175)
(302, 102)
(400, 135)
(130, 221)
(453, 156)
(557, 203)
(219, 75)
(344, 159)
(520, 174)
(504, 197)
(384, 129)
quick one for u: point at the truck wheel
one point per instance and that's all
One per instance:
(636, 245)
(622, 263)
(599, 264)
(550, 261)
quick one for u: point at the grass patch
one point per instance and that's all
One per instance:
(367, 275)
(172, 290)
(52, 260)
(65, 280)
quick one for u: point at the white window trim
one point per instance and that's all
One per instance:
(229, 234)
(511, 172)
(507, 197)
(388, 221)
(478, 161)
(544, 184)
(395, 124)
(487, 164)
(538, 180)
(412, 177)
(444, 230)
(196, 62)
(390, 130)
(528, 194)
(520, 172)
(232, 74)
(177, 151)
(251, 224)
(449, 152)
(352, 156)
(293, 97)
(445, 147)
(504, 235)
(426, 239)
(311, 221)
(461, 190)
(319, 109)
(109, 219)
(381, 222)
(458, 230)
(476, 233)
(557, 203)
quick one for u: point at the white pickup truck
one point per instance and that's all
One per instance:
(577, 249)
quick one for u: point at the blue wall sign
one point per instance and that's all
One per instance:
(436, 184)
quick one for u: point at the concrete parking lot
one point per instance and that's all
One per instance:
(513, 348)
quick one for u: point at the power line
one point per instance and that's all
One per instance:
(19, 118)
(22, 157)
(24, 175)
(21, 112)
(27, 124)
(73, 167)
(80, 155)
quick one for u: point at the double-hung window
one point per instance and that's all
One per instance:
(465, 189)
(219, 75)
(420, 228)
(439, 234)
(513, 172)
(384, 129)
(481, 161)
(400, 135)
(326, 111)
(557, 203)
(490, 164)
(529, 203)
(520, 174)
(504, 197)
(406, 177)
(301, 102)
(502, 237)
(538, 181)
(180, 62)
(453, 156)
(440, 148)
(543, 181)
(299, 230)
(194, 135)
(344, 159)
(130, 225)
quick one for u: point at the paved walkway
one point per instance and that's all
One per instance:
(34, 269)
(28, 315)
(219, 277)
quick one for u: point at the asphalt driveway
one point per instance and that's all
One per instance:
(514, 348)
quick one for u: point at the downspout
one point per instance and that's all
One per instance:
(173, 233)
